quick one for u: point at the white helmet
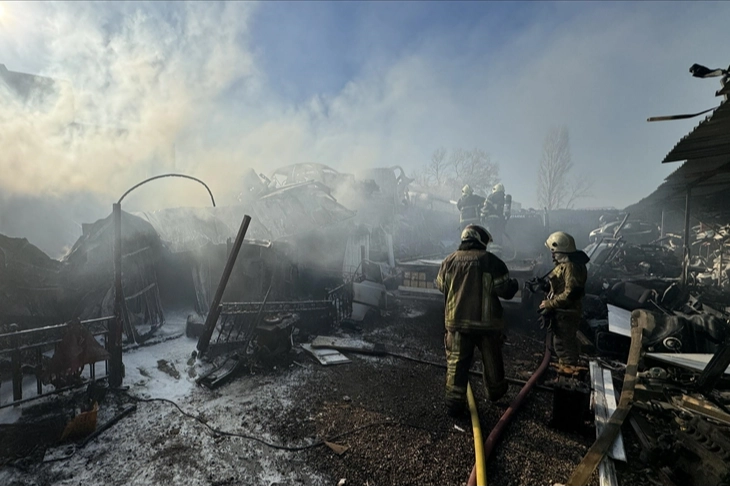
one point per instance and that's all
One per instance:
(498, 188)
(466, 190)
(478, 233)
(561, 242)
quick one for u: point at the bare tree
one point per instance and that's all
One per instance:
(437, 170)
(448, 172)
(475, 168)
(554, 188)
(579, 187)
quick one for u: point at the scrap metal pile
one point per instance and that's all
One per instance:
(681, 398)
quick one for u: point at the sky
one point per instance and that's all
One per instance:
(212, 89)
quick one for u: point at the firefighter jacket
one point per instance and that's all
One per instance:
(469, 207)
(494, 205)
(567, 282)
(472, 281)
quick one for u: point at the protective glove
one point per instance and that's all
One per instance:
(511, 289)
(546, 319)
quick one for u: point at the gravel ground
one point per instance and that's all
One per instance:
(387, 411)
(427, 447)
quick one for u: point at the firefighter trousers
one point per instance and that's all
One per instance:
(459, 354)
(565, 337)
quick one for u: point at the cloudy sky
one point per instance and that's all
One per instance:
(211, 89)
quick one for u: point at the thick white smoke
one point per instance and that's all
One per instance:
(134, 83)
(148, 88)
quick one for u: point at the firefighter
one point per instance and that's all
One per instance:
(472, 279)
(468, 206)
(493, 213)
(563, 307)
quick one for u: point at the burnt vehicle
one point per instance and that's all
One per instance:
(633, 231)
(347, 189)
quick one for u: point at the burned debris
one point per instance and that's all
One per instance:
(317, 266)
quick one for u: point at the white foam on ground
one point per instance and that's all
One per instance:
(140, 449)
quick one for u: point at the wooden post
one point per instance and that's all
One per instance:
(116, 367)
(214, 311)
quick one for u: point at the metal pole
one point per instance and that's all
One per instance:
(719, 270)
(116, 367)
(16, 359)
(214, 311)
(687, 229)
(662, 230)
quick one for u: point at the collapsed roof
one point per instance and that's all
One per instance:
(705, 170)
(283, 213)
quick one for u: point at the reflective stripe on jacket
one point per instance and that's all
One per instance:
(472, 282)
(567, 286)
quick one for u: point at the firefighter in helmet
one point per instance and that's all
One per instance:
(472, 280)
(492, 213)
(469, 205)
(563, 306)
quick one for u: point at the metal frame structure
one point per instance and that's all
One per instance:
(117, 370)
(21, 343)
(706, 170)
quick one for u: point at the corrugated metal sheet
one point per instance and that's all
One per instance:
(706, 152)
(711, 138)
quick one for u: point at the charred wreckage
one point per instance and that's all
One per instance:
(309, 253)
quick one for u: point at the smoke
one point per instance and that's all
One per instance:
(134, 83)
(147, 88)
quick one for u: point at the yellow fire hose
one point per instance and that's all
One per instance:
(478, 444)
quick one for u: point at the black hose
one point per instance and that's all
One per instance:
(219, 432)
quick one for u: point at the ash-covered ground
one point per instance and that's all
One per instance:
(387, 414)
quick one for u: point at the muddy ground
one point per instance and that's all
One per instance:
(386, 413)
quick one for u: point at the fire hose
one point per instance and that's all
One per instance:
(501, 425)
(480, 463)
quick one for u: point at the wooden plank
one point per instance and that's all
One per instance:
(597, 451)
(704, 408)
